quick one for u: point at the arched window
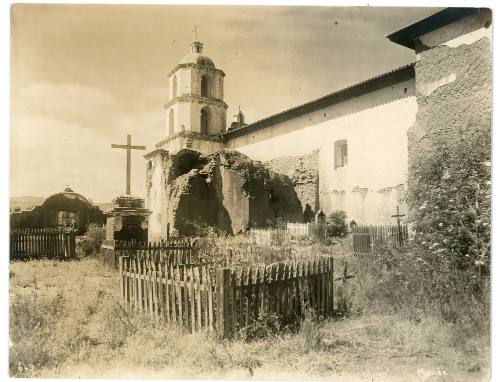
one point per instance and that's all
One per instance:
(221, 88)
(174, 87)
(205, 86)
(340, 153)
(171, 122)
(204, 122)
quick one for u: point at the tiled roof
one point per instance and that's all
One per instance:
(406, 71)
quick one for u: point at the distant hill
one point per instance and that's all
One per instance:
(105, 207)
(25, 202)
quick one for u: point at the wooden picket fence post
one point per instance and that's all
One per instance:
(223, 301)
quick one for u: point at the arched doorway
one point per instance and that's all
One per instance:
(204, 121)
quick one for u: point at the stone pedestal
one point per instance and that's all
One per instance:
(128, 220)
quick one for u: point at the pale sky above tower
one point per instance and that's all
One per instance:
(85, 76)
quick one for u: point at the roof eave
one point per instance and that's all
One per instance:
(406, 36)
(398, 74)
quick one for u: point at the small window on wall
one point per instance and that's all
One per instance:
(340, 153)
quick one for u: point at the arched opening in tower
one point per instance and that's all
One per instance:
(174, 87)
(204, 121)
(171, 122)
(205, 86)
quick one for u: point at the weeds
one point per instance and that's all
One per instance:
(85, 331)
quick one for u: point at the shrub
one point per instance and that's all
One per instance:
(337, 224)
(90, 243)
(449, 196)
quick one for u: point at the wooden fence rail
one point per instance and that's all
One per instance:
(371, 239)
(231, 299)
(28, 243)
(174, 251)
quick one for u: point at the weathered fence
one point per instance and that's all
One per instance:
(304, 230)
(371, 239)
(269, 236)
(28, 243)
(173, 251)
(283, 236)
(231, 299)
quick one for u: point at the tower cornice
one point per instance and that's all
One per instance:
(192, 98)
(197, 66)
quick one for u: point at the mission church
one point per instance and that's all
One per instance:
(348, 150)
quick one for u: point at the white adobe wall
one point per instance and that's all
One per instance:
(374, 126)
(154, 201)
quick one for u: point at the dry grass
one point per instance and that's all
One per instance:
(65, 321)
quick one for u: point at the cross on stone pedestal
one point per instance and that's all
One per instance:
(398, 217)
(129, 149)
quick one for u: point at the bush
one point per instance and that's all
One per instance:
(336, 224)
(449, 196)
(90, 243)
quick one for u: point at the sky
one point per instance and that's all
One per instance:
(85, 76)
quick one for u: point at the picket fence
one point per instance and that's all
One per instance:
(26, 243)
(231, 299)
(269, 236)
(303, 230)
(173, 251)
(283, 236)
(370, 239)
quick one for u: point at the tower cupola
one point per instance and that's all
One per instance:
(196, 47)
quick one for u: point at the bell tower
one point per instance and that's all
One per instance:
(195, 107)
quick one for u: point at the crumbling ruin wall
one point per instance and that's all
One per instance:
(453, 81)
(304, 175)
(231, 193)
(191, 203)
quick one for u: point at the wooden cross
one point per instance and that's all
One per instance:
(398, 217)
(129, 149)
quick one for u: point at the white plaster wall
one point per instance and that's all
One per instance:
(183, 83)
(182, 116)
(377, 154)
(306, 121)
(154, 200)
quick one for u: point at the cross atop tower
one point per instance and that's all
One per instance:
(195, 31)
